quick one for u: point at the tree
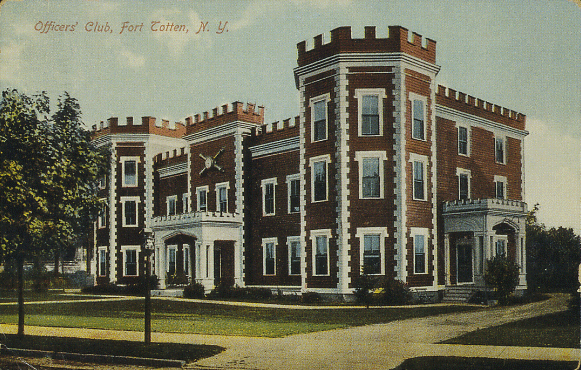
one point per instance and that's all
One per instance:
(48, 176)
(502, 275)
(553, 257)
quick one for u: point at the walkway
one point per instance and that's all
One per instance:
(382, 346)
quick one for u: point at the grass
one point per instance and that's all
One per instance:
(474, 363)
(169, 351)
(558, 330)
(9, 296)
(210, 318)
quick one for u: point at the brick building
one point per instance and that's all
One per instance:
(382, 167)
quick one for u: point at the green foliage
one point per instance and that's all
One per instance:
(502, 275)
(194, 290)
(385, 291)
(364, 285)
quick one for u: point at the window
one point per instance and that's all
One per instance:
(268, 203)
(186, 260)
(463, 140)
(129, 209)
(171, 260)
(370, 174)
(500, 187)
(185, 203)
(129, 171)
(319, 117)
(222, 196)
(370, 107)
(294, 193)
(319, 178)
(171, 205)
(202, 195)
(419, 169)
(294, 255)
(102, 217)
(130, 260)
(499, 150)
(500, 246)
(418, 117)
(320, 241)
(420, 238)
(269, 256)
(463, 183)
(102, 261)
(371, 246)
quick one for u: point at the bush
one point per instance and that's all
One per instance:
(392, 292)
(194, 290)
(311, 297)
(177, 279)
(364, 286)
(502, 275)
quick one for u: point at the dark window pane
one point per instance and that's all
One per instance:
(295, 195)
(370, 178)
(418, 120)
(320, 181)
(370, 115)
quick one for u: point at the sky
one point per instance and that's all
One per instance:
(523, 55)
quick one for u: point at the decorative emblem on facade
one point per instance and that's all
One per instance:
(210, 162)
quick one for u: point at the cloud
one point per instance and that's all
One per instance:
(10, 68)
(130, 59)
(175, 41)
(553, 173)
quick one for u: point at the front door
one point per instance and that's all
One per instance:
(464, 256)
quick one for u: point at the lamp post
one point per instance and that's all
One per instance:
(147, 250)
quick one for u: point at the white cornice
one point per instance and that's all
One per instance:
(216, 132)
(176, 169)
(275, 147)
(456, 115)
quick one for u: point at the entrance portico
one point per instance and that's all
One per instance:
(214, 242)
(477, 230)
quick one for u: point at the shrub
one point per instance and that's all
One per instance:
(259, 293)
(177, 279)
(311, 297)
(502, 275)
(194, 290)
(392, 292)
(364, 285)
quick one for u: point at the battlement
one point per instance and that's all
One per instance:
(225, 113)
(147, 125)
(277, 126)
(469, 104)
(177, 155)
(399, 40)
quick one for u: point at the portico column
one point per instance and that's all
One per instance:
(447, 257)
(238, 281)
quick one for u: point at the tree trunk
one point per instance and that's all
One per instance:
(20, 268)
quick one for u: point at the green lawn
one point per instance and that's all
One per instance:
(210, 318)
(31, 296)
(560, 330)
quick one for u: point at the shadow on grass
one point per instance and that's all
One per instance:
(474, 363)
(167, 351)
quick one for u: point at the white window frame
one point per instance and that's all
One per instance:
(325, 98)
(423, 159)
(468, 173)
(103, 214)
(425, 232)
(468, 139)
(424, 100)
(289, 242)
(124, 250)
(382, 156)
(122, 201)
(102, 182)
(185, 203)
(359, 94)
(124, 159)
(289, 180)
(174, 248)
(504, 148)
(361, 233)
(263, 184)
(222, 185)
(274, 242)
(199, 190)
(504, 181)
(100, 271)
(186, 257)
(504, 240)
(168, 200)
(322, 158)
(313, 236)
